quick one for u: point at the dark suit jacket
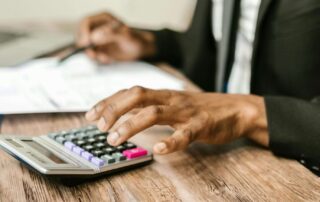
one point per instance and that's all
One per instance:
(285, 68)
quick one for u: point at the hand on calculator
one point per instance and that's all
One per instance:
(208, 117)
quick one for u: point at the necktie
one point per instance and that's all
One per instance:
(224, 44)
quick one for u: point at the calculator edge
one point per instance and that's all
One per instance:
(86, 174)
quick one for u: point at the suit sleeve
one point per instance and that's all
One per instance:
(294, 129)
(192, 51)
(168, 47)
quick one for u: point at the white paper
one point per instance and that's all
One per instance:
(43, 86)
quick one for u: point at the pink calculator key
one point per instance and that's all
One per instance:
(134, 153)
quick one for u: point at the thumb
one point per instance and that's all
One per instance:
(179, 140)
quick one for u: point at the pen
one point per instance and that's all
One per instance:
(75, 51)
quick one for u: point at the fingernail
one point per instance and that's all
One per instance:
(160, 147)
(102, 124)
(90, 114)
(113, 137)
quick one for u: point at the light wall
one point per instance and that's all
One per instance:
(154, 14)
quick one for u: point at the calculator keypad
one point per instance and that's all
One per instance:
(90, 144)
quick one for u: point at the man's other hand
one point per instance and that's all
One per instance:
(113, 40)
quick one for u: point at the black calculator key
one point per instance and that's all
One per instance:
(88, 147)
(109, 150)
(91, 140)
(61, 139)
(57, 136)
(80, 143)
(64, 133)
(74, 140)
(53, 135)
(81, 135)
(102, 138)
(71, 137)
(99, 145)
(97, 153)
(81, 130)
(130, 145)
(89, 128)
(74, 131)
(108, 159)
(118, 156)
(95, 133)
(120, 148)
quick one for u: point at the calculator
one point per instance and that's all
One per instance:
(76, 155)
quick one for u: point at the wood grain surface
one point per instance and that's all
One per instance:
(240, 171)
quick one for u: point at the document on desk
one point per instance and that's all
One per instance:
(43, 86)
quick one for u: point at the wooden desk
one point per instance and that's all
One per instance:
(239, 171)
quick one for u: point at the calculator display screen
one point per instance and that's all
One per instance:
(44, 151)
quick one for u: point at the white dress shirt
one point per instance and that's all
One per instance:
(240, 77)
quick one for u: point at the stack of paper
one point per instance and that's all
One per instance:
(43, 86)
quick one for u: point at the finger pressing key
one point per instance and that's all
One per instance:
(151, 115)
(118, 105)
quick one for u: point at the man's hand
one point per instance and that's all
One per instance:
(113, 40)
(207, 117)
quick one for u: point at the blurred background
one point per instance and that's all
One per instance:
(151, 14)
